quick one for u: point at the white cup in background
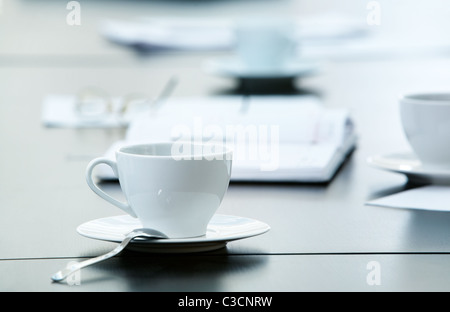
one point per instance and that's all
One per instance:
(265, 44)
(175, 189)
(426, 123)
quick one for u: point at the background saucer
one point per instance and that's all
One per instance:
(408, 164)
(232, 67)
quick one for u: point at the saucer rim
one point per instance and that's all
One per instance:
(180, 241)
(414, 171)
(216, 66)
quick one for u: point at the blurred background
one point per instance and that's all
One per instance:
(38, 33)
(41, 28)
(60, 47)
(118, 33)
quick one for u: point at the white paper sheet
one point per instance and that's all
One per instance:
(430, 197)
(60, 111)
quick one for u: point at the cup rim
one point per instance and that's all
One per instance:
(225, 150)
(436, 98)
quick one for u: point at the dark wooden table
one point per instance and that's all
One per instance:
(322, 237)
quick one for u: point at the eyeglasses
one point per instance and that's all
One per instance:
(95, 104)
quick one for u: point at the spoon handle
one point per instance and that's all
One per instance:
(64, 273)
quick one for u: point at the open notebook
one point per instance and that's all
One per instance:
(274, 138)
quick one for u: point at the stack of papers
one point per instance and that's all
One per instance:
(170, 33)
(325, 35)
(193, 34)
(274, 138)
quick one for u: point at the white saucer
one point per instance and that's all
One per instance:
(408, 164)
(221, 230)
(232, 67)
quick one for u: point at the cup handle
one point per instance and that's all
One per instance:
(124, 206)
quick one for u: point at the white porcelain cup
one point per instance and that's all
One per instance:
(426, 123)
(264, 44)
(174, 188)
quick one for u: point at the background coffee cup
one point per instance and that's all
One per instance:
(175, 189)
(426, 123)
(265, 44)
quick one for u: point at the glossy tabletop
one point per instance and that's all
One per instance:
(323, 237)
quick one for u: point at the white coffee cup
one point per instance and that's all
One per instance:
(170, 187)
(426, 123)
(264, 44)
